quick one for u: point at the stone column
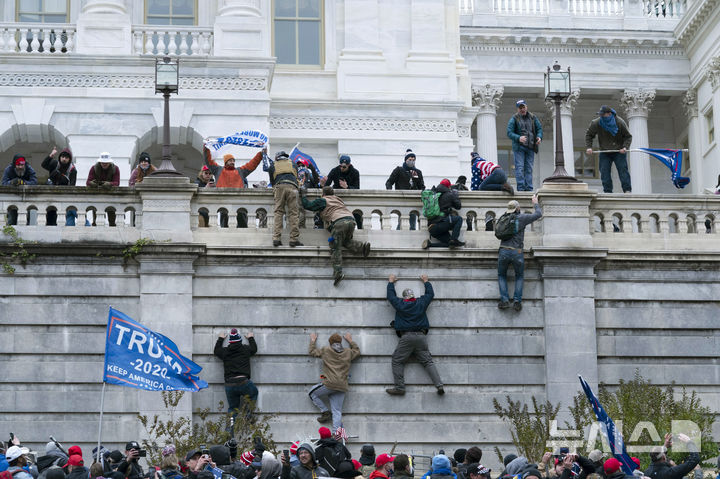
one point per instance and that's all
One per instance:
(712, 162)
(103, 28)
(242, 29)
(488, 99)
(697, 180)
(568, 259)
(166, 208)
(637, 103)
(362, 28)
(567, 107)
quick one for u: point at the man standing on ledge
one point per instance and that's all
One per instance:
(613, 134)
(525, 131)
(411, 325)
(284, 179)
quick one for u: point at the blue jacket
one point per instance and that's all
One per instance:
(410, 315)
(28, 178)
(514, 132)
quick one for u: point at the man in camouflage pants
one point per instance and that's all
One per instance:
(341, 224)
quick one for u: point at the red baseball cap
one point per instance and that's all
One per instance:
(20, 160)
(611, 465)
(445, 182)
(383, 459)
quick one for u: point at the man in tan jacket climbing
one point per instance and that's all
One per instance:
(336, 368)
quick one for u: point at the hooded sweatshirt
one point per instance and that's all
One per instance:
(271, 468)
(28, 177)
(311, 471)
(336, 365)
(61, 174)
(516, 465)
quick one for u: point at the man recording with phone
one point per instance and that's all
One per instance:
(130, 466)
(197, 460)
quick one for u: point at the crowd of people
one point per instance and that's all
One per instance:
(329, 457)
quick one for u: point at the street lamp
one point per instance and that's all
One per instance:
(166, 82)
(557, 88)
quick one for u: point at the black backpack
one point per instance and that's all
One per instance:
(331, 458)
(507, 226)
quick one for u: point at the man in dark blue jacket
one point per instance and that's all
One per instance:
(411, 325)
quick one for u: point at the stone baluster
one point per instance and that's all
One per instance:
(638, 103)
(195, 46)
(3, 44)
(23, 45)
(137, 42)
(46, 41)
(70, 43)
(385, 223)
(11, 43)
(172, 43)
(567, 107)
(232, 219)
(626, 223)
(682, 224)
(644, 224)
(253, 223)
(488, 99)
(56, 45)
(160, 49)
(35, 44)
(41, 216)
(183, 48)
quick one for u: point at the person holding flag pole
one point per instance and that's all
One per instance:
(615, 139)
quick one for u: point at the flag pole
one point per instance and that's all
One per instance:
(102, 406)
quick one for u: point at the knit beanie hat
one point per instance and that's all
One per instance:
(75, 450)
(228, 157)
(440, 461)
(459, 455)
(324, 433)
(409, 154)
(508, 459)
(144, 156)
(19, 160)
(234, 336)
(247, 457)
(335, 338)
(474, 155)
(294, 447)
(611, 465)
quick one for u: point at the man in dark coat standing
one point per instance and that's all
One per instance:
(661, 468)
(236, 363)
(407, 177)
(411, 325)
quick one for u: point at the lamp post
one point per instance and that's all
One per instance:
(557, 88)
(166, 82)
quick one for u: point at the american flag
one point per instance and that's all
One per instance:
(340, 434)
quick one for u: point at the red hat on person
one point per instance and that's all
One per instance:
(611, 465)
(636, 461)
(356, 464)
(20, 160)
(75, 460)
(324, 433)
(247, 457)
(446, 182)
(294, 447)
(205, 168)
(383, 459)
(75, 450)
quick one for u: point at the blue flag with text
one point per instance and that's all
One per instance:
(673, 160)
(296, 155)
(613, 436)
(139, 358)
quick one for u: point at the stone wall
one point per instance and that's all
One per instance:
(596, 303)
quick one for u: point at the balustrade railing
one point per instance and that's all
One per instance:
(37, 38)
(521, 7)
(670, 9)
(628, 222)
(596, 8)
(466, 7)
(172, 40)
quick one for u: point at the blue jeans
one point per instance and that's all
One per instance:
(441, 230)
(494, 181)
(620, 160)
(237, 396)
(319, 394)
(524, 159)
(506, 257)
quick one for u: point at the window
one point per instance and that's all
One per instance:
(42, 11)
(585, 165)
(710, 123)
(297, 31)
(170, 12)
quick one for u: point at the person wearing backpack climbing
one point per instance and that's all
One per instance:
(443, 226)
(488, 176)
(511, 249)
(340, 222)
(411, 326)
(329, 452)
(407, 177)
(336, 369)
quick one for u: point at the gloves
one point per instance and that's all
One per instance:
(105, 185)
(17, 182)
(93, 183)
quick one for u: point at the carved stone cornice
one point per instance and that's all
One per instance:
(128, 81)
(638, 101)
(488, 97)
(693, 19)
(689, 102)
(567, 106)
(712, 72)
(376, 124)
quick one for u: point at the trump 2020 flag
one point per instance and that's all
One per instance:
(140, 358)
(296, 155)
(614, 437)
(673, 160)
